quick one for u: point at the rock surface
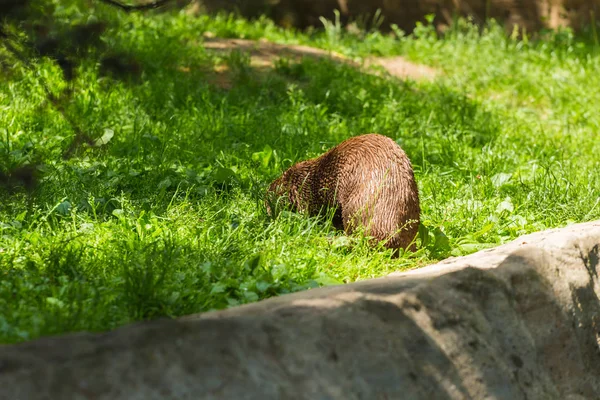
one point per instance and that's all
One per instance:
(521, 321)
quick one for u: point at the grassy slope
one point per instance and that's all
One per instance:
(167, 219)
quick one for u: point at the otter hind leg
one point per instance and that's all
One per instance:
(381, 222)
(355, 217)
(338, 221)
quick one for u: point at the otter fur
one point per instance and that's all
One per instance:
(367, 179)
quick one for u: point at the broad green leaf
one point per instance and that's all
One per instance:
(218, 288)
(223, 175)
(500, 179)
(165, 183)
(63, 208)
(262, 286)
(106, 137)
(327, 280)
(441, 240)
(53, 301)
(506, 205)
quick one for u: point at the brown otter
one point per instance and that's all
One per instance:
(369, 181)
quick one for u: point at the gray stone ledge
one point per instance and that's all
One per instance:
(521, 321)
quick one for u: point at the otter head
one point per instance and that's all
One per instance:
(291, 190)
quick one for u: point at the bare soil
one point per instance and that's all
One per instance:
(264, 54)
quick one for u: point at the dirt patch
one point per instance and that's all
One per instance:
(402, 68)
(264, 54)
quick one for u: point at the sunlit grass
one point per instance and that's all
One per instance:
(168, 218)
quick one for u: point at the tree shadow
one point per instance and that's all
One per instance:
(225, 106)
(200, 115)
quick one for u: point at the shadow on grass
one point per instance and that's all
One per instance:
(216, 120)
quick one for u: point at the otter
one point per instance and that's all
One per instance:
(367, 179)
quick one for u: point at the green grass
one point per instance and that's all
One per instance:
(167, 218)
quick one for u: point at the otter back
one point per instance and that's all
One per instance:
(370, 182)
